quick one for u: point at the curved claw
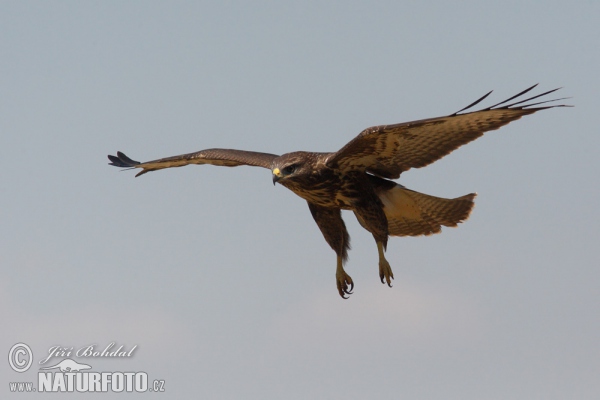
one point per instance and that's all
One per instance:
(385, 271)
(344, 284)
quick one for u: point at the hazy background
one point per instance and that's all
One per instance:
(225, 282)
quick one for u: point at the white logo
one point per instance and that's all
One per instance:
(72, 376)
(69, 365)
(14, 357)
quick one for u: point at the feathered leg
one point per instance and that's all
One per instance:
(331, 224)
(371, 217)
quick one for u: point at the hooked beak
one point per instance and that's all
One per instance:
(276, 175)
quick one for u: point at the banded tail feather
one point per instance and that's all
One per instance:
(410, 213)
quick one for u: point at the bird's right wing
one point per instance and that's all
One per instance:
(220, 157)
(389, 150)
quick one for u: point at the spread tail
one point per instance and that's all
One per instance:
(411, 213)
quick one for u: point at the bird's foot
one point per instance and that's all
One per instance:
(344, 283)
(385, 271)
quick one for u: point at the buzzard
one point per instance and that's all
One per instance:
(358, 177)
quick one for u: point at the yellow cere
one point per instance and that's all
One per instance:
(277, 172)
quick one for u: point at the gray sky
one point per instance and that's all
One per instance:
(225, 282)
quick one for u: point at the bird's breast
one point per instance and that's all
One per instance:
(326, 191)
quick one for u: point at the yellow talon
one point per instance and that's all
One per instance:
(385, 271)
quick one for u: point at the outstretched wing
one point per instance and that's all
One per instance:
(389, 150)
(221, 157)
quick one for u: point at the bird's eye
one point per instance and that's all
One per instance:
(289, 169)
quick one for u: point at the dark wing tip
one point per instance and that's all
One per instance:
(126, 159)
(514, 97)
(512, 105)
(474, 103)
(114, 161)
(519, 104)
(122, 161)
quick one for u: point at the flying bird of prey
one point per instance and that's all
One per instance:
(358, 177)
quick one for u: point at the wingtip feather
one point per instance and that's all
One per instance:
(122, 161)
(519, 104)
(474, 103)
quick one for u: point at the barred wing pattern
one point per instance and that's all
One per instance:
(220, 157)
(389, 150)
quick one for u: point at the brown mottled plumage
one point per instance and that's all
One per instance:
(357, 176)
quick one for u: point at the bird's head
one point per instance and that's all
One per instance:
(288, 167)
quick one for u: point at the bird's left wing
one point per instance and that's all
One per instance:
(389, 150)
(220, 157)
